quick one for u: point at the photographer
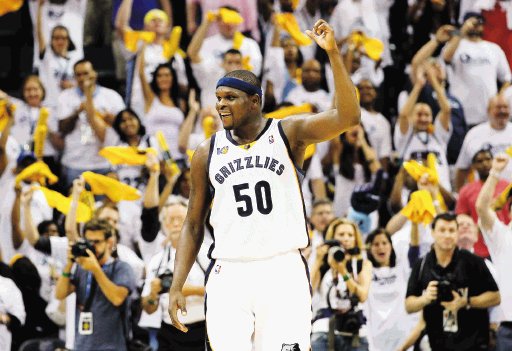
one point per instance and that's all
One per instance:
(102, 284)
(341, 277)
(155, 297)
(454, 288)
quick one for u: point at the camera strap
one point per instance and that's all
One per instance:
(92, 285)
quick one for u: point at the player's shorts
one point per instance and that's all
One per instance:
(265, 302)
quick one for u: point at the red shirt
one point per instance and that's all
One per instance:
(466, 204)
(496, 29)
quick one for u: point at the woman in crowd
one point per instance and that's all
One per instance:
(340, 284)
(161, 101)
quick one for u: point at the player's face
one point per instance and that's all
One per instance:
(468, 232)
(231, 106)
(129, 124)
(445, 235)
(33, 93)
(381, 249)
(422, 115)
(346, 235)
(164, 78)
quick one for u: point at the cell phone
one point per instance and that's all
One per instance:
(455, 32)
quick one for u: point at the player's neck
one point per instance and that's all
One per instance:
(250, 131)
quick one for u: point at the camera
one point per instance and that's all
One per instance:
(445, 286)
(337, 252)
(166, 281)
(79, 249)
(351, 320)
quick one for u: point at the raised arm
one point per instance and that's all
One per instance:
(151, 193)
(16, 233)
(189, 123)
(304, 130)
(147, 92)
(444, 105)
(197, 40)
(167, 8)
(39, 28)
(98, 125)
(31, 232)
(4, 136)
(368, 151)
(123, 17)
(483, 204)
(406, 112)
(70, 224)
(454, 42)
(192, 233)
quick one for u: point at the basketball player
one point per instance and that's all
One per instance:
(257, 287)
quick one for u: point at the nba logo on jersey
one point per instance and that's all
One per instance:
(223, 150)
(217, 269)
(290, 347)
(271, 139)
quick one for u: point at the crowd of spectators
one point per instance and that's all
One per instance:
(408, 212)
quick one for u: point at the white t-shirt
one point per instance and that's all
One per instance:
(70, 14)
(320, 98)
(410, 145)
(11, 302)
(473, 72)
(81, 145)
(275, 71)
(168, 120)
(153, 56)
(379, 132)
(216, 45)
(484, 136)
(207, 73)
(162, 261)
(52, 70)
(343, 189)
(499, 243)
(402, 238)
(25, 122)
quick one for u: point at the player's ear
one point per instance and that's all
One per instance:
(255, 100)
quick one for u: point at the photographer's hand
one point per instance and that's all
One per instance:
(456, 304)
(430, 293)
(156, 287)
(177, 302)
(89, 263)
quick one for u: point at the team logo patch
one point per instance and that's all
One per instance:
(270, 139)
(223, 150)
(217, 269)
(290, 347)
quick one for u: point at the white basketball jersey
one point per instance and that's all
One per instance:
(257, 207)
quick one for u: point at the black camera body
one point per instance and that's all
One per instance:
(166, 281)
(445, 286)
(337, 252)
(79, 249)
(352, 320)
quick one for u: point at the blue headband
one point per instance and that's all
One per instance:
(240, 85)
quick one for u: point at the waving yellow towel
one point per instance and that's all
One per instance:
(416, 169)
(38, 170)
(111, 188)
(289, 23)
(63, 204)
(3, 113)
(226, 15)
(372, 46)
(126, 155)
(420, 208)
(40, 132)
(284, 112)
(7, 6)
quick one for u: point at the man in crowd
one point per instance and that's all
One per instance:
(453, 288)
(103, 286)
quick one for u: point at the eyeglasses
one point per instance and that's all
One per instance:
(57, 37)
(96, 242)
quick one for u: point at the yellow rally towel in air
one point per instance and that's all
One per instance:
(372, 46)
(420, 208)
(38, 170)
(416, 169)
(126, 155)
(111, 188)
(226, 15)
(3, 113)
(502, 198)
(289, 23)
(40, 132)
(287, 111)
(63, 204)
(132, 37)
(208, 126)
(7, 6)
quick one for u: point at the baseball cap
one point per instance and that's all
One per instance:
(477, 15)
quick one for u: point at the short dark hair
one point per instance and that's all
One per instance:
(244, 75)
(117, 124)
(369, 240)
(44, 225)
(232, 52)
(71, 45)
(80, 62)
(486, 150)
(321, 202)
(447, 217)
(99, 224)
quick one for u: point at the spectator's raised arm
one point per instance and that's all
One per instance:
(197, 40)
(70, 223)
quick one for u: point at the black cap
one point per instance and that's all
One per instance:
(476, 15)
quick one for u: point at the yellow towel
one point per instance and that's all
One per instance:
(416, 169)
(226, 15)
(63, 204)
(40, 132)
(501, 200)
(37, 171)
(132, 37)
(284, 112)
(420, 208)
(289, 23)
(509, 151)
(372, 46)
(3, 113)
(209, 126)
(7, 6)
(238, 39)
(126, 155)
(171, 46)
(246, 63)
(310, 151)
(111, 188)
